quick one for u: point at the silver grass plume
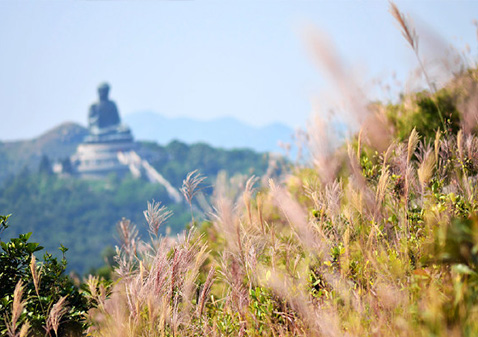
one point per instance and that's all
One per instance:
(156, 215)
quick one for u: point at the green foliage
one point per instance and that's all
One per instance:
(41, 291)
(106, 270)
(45, 166)
(458, 244)
(421, 112)
(3, 222)
(177, 159)
(83, 214)
(80, 214)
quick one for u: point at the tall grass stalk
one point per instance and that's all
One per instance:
(191, 187)
(410, 35)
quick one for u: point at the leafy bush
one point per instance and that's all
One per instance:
(420, 112)
(37, 295)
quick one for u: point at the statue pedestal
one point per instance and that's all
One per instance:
(116, 134)
(98, 160)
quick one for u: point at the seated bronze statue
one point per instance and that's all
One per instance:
(104, 122)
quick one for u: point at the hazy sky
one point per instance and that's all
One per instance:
(200, 59)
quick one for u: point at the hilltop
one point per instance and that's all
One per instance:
(57, 143)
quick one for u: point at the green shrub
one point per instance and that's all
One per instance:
(421, 112)
(47, 295)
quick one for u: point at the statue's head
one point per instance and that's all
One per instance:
(103, 90)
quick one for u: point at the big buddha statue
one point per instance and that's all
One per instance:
(104, 122)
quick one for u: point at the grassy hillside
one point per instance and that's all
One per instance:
(377, 237)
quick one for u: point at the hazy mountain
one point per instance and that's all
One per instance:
(57, 143)
(222, 132)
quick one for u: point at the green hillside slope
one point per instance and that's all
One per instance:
(82, 215)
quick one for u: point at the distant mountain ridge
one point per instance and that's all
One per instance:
(225, 132)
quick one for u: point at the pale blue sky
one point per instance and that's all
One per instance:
(199, 59)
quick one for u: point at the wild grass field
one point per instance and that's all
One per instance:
(375, 237)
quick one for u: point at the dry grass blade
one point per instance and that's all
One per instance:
(322, 148)
(97, 290)
(407, 31)
(387, 155)
(412, 144)
(56, 313)
(437, 144)
(297, 218)
(191, 185)
(18, 304)
(205, 290)
(17, 309)
(191, 188)
(411, 37)
(382, 187)
(35, 275)
(359, 144)
(128, 235)
(459, 144)
(25, 329)
(425, 171)
(126, 256)
(353, 103)
(156, 215)
(248, 192)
